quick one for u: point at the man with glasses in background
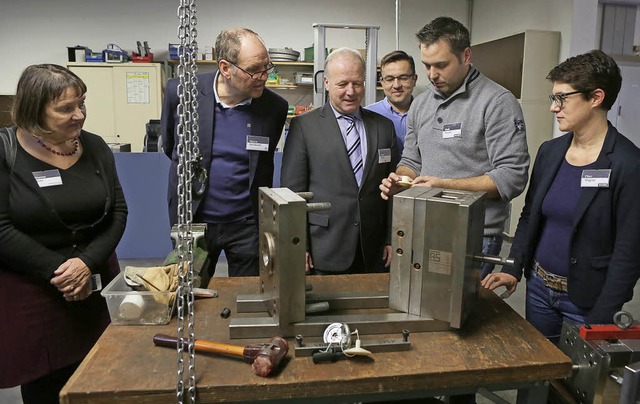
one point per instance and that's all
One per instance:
(240, 123)
(398, 79)
(464, 132)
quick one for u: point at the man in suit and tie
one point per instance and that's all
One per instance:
(341, 152)
(240, 124)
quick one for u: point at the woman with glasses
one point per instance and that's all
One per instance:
(62, 214)
(577, 238)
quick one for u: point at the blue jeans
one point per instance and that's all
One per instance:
(491, 245)
(240, 243)
(546, 309)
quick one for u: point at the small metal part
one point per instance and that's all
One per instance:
(307, 196)
(623, 319)
(318, 307)
(299, 341)
(199, 178)
(318, 206)
(338, 333)
(630, 390)
(225, 313)
(203, 292)
(491, 259)
(405, 181)
(405, 335)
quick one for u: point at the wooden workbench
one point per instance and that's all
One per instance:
(496, 348)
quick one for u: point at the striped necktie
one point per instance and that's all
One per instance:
(354, 150)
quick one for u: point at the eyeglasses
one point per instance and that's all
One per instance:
(558, 99)
(257, 75)
(404, 79)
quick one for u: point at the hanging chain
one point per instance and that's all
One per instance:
(188, 163)
(366, 46)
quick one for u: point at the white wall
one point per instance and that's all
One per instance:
(39, 31)
(494, 19)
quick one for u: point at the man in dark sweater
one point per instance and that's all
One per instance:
(240, 122)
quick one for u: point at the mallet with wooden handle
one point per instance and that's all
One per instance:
(264, 358)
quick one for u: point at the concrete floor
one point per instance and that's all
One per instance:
(516, 301)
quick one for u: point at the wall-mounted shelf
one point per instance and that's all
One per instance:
(215, 62)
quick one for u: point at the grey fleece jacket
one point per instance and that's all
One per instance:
(491, 140)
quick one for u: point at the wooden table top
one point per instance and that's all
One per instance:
(495, 346)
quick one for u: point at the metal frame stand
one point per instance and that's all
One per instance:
(371, 72)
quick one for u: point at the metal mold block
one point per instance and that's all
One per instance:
(283, 243)
(436, 234)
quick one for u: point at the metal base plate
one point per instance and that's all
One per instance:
(386, 323)
(375, 346)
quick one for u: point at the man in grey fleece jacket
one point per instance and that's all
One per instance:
(464, 132)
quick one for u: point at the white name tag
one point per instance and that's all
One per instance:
(384, 156)
(595, 178)
(452, 130)
(257, 143)
(48, 178)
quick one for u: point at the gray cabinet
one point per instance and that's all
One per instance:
(520, 63)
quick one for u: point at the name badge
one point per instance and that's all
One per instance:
(384, 156)
(48, 178)
(452, 130)
(257, 143)
(595, 178)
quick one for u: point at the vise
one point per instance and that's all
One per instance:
(601, 354)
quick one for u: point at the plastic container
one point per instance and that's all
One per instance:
(129, 307)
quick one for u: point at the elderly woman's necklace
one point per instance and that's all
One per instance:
(67, 154)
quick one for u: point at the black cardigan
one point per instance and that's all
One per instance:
(39, 255)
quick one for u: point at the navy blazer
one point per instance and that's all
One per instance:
(315, 159)
(268, 112)
(604, 262)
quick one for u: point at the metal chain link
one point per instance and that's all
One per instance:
(188, 162)
(366, 46)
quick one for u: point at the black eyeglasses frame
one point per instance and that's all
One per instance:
(257, 75)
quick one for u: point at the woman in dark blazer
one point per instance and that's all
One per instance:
(577, 238)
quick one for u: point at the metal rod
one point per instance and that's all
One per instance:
(398, 24)
(318, 206)
(490, 259)
(307, 196)
(318, 307)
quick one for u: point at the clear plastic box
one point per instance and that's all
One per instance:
(129, 307)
